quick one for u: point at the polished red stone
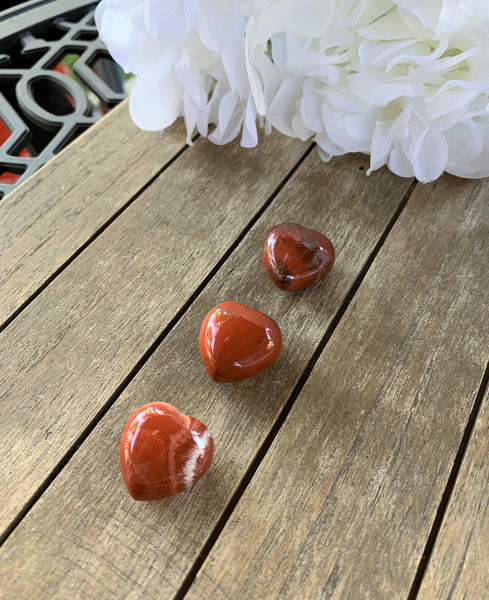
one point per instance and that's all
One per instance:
(237, 342)
(296, 257)
(163, 452)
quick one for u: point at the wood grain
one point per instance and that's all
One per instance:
(66, 354)
(86, 537)
(458, 567)
(343, 501)
(55, 212)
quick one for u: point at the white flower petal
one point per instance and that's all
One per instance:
(156, 99)
(218, 22)
(475, 8)
(465, 143)
(399, 163)
(326, 148)
(371, 88)
(338, 133)
(166, 20)
(360, 126)
(299, 128)
(448, 102)
(311, 110)
(389, 27)
(234, 63)
(132, 50)
(250, 132)
(431, 158)
(285, 104)
(427, 12)
(191, 115)
(478, 167)
(381, 146)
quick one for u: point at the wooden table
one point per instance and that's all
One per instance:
(355, 467)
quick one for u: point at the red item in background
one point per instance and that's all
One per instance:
(295, 257)
(163, 452)
(7, 177)
(237, 342)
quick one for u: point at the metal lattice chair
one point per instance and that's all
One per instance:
(56, 79)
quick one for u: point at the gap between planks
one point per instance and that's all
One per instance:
(54, 212)
(450, 486)
(90, 240)
(160, 338)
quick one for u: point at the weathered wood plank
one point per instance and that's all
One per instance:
(342, 504)
(86, 537)
(64, 356)
(55, 212)
(458, 567)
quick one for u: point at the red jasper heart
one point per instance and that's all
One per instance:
(237, 342)
(163, 452)
(296, 257)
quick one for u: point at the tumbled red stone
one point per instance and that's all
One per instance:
(163, 452)
(295, 257)
(237, 342)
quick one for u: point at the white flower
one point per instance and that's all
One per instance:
(406, 81)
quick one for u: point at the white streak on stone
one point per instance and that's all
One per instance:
(201, 442)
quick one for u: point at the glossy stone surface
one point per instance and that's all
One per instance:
(163, 452)
(295, 257)
(237, 342)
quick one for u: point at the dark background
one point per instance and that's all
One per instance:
(4, 4)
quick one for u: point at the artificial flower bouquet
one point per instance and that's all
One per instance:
(405, 81)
